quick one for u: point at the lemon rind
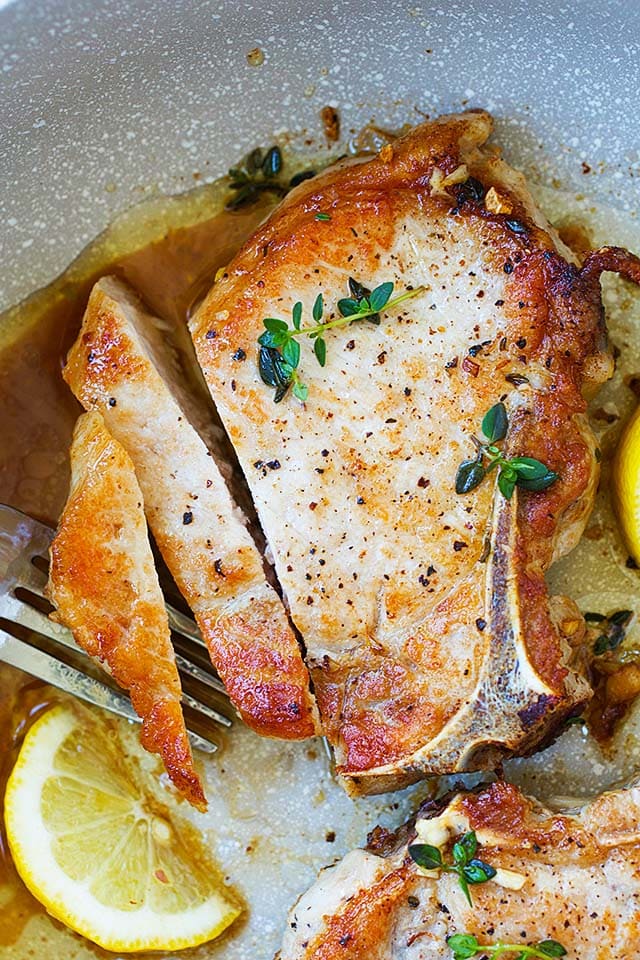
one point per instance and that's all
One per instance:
(30, 846)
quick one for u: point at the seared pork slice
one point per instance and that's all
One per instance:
(573, 879)
(424, 612)
(122, 365)
(104, 587)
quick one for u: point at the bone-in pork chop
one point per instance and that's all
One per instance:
(122, 365)
(572, 879)
(430, 636)
(104, 586)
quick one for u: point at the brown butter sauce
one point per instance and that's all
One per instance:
(38, 413)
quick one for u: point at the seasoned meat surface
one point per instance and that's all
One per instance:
(573, 879)
(122, 365)
(104, 586)
(424, 612)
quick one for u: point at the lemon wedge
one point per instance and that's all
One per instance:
(626, 484)
(100, 851)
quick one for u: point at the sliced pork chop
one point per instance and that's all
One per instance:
(122, 365)
(104, 587)
(573, 879)
(425, 614)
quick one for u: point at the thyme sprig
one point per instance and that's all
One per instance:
(525, 472)
(465, 946)
(259, 172)
(469, 869)
(613, 629)
(279, 355)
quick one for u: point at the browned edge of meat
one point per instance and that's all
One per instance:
(121, 365)
(104, 587)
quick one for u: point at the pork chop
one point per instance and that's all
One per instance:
(571, 879)
(430, 638)
(122, 365)
(104, 586)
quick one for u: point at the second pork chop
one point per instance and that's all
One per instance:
(432, 643)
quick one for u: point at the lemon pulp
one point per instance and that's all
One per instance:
(103, 855)
(626, 485)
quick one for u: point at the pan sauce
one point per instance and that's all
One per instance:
(275, 815)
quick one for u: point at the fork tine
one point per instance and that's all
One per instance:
(39, 622)
(38, 664)
(206, 711)
(35, 580)
(184, 625)
(33, 539)
(28, 616)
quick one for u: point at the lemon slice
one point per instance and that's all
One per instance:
(626, 485)
(103, 854)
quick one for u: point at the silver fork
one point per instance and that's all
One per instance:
(31, 642)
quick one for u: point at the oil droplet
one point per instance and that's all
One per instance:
(255, 57)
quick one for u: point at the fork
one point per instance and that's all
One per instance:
(31, 642)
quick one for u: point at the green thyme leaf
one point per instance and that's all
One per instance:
(594, 617)
(379, 297)
(348, 307)
(300, 390)
(613, 627)
(506, 484)
(275, 371)
(459, 854)
(318, 308)
(253, 163)
(477, 871)
(470, 843)
(320, 350)
(246, 195)
(296, 315)
(274, 324)
(301, 177)
(271, 339)
(235, 173)
(574, 722)
(620, 617)
(464, 945)
(470, 474)
(291, 352)
(358, 290)
(495, 423)
(464, 886)
(528, 468)
(538, 483)
(272, 163)
(426, 856)
(322, 216)
(551, 948)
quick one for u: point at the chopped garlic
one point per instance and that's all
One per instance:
(437, 830)
(439, 180)
(509, 879)
(495, 203)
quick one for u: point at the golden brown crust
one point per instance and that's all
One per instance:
(212, 558)
(398, 668)
(105, 589)
(575, 879)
